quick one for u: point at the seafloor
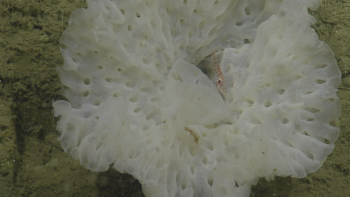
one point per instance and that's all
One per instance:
(31, 160)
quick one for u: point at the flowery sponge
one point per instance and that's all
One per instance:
(139, 78)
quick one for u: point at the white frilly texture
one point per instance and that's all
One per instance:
(139, 77)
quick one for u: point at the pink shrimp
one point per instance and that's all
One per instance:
(221, 79)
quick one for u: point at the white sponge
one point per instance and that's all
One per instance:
(139, 78)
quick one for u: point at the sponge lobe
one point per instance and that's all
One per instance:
(289, 82)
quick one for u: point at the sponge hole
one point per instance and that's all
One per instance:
(305, 62)
(268, 104)
(309, 92)
(150, 115)
(320, 81)
(249, 102)
(312, 110)
(210, 181)
(280, 91)
(192, 169)
(255, 120)
(159, 67)
(96, 102)
(226, 142)
(183, 184)
(182, 22)
(155, 99)
(319, 66)
(147, 76)
(210, 147)
(146, 89)
(285, 121)
(129, 85)
(296, 77)
(247, 11)
(137, 109)
(204, 160)
(309, 119)
(133, 99)
(87, 81)
(155, 82)
(85, 93)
